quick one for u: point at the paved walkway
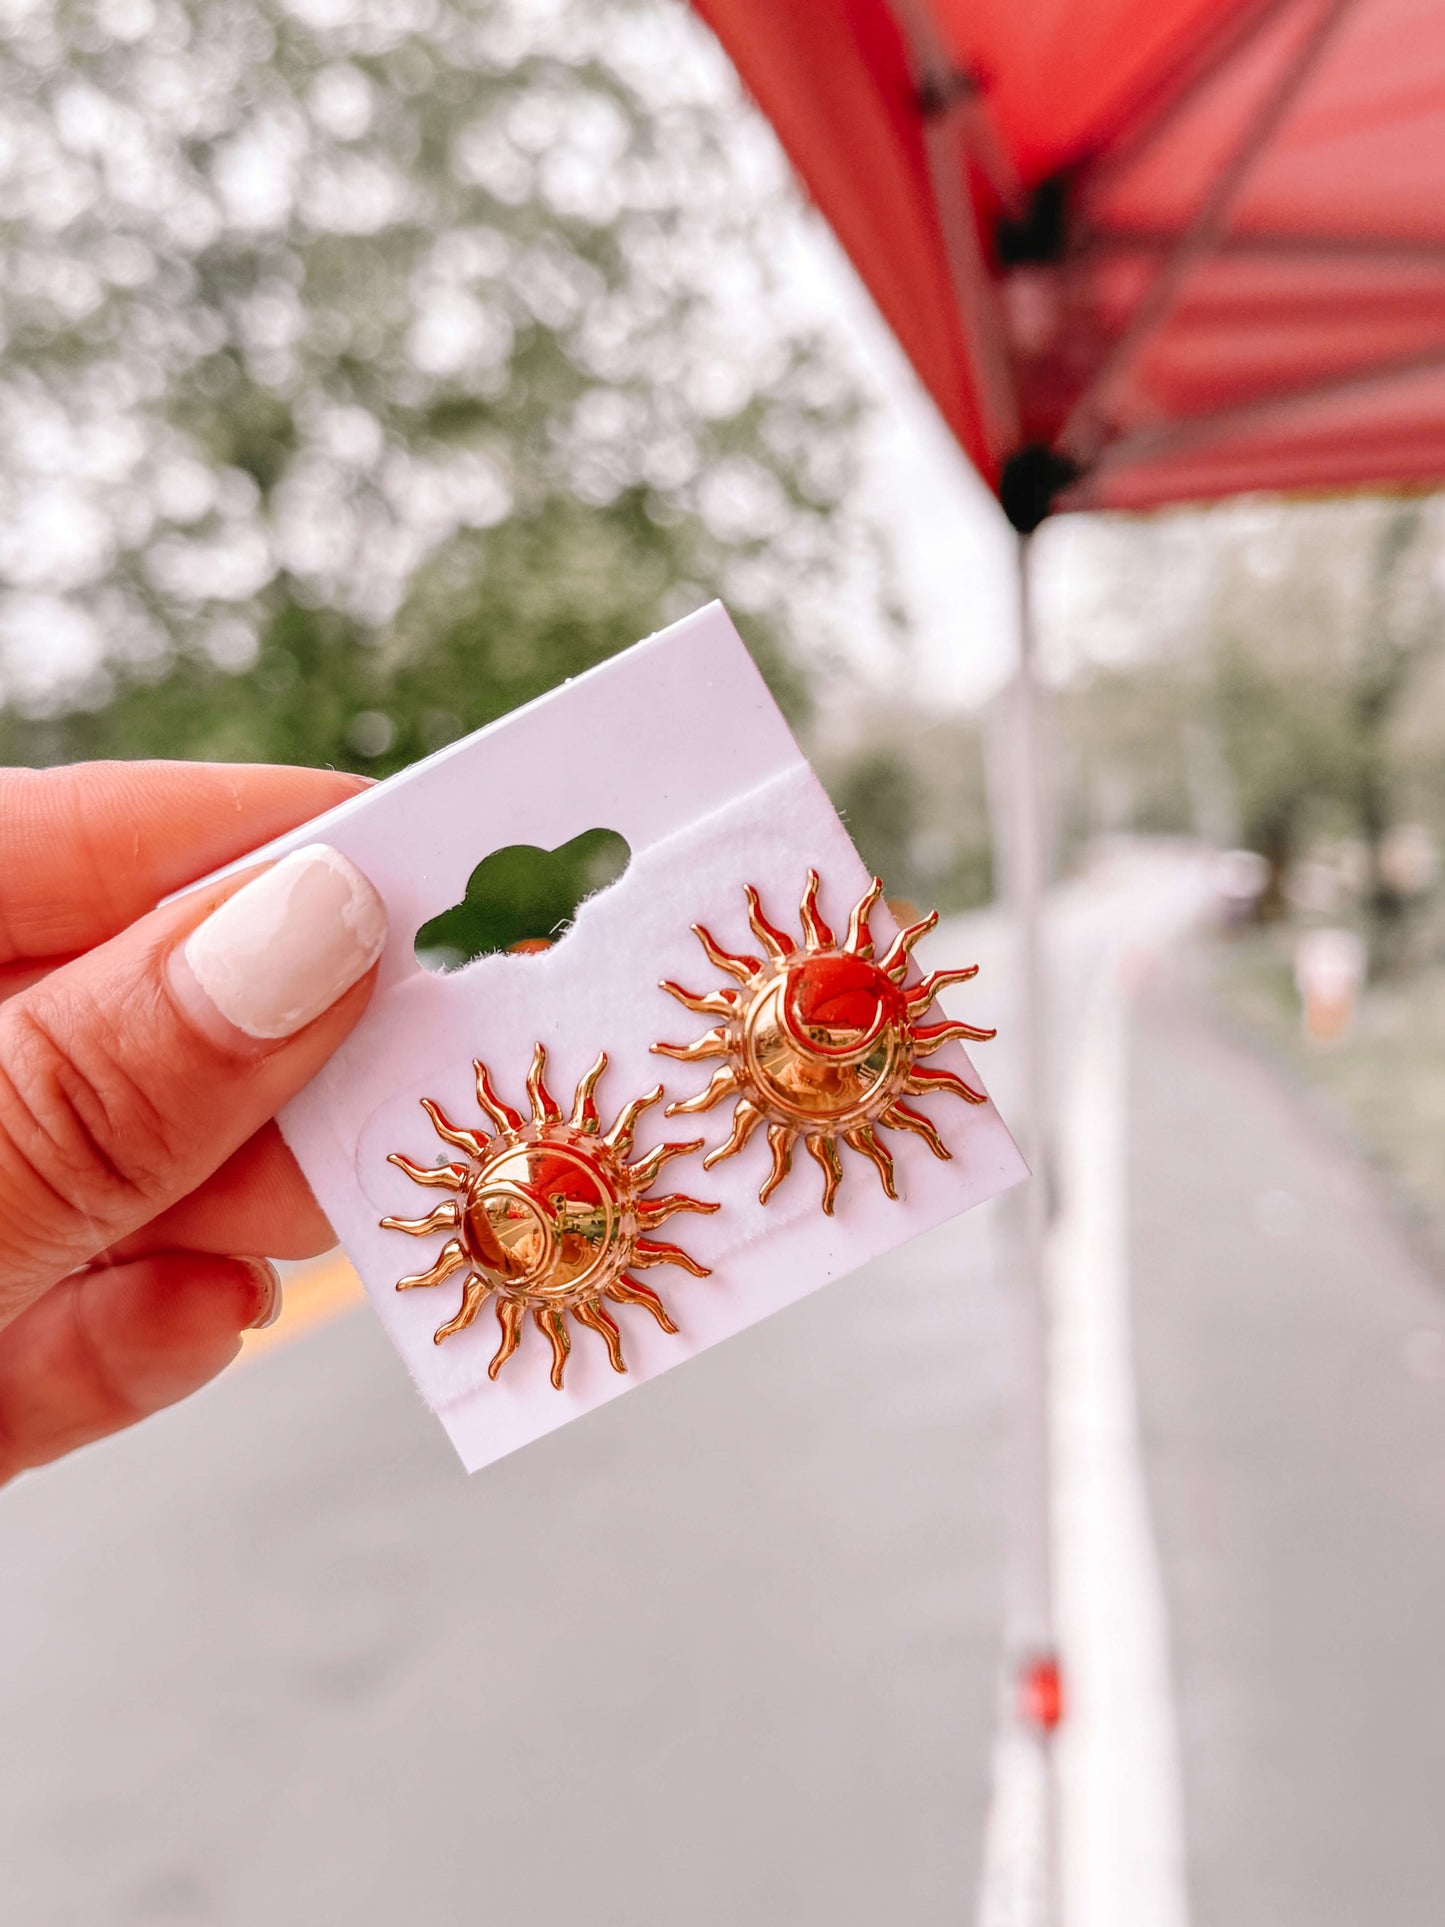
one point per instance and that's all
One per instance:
(1291, 1365)
(726, 1652)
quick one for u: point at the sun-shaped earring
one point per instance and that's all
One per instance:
(822, 1042)
(549, 1216)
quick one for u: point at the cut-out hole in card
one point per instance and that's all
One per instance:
(521, 897)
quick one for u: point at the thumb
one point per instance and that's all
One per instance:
(131, 1074)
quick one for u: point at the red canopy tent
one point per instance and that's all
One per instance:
(1139, 251)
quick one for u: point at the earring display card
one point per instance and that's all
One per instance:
(678, 747)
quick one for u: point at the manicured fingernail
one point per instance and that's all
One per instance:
(283, 949)
(268, 1292)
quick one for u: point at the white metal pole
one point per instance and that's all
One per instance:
(1027, 861)
(1021, 1859)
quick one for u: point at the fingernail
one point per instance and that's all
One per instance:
(268, 1293)
(284, 948)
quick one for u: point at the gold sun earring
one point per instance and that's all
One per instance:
(549, 1216)
(822, 1042)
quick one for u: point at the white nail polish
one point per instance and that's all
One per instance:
(284, 948)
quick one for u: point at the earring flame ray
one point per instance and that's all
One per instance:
(548, 1216)
(820, 1042)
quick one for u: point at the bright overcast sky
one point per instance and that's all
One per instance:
(954, 552)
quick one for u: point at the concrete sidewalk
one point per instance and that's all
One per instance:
(1291, 1368)
(725, 1651)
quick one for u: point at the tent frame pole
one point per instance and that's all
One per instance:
(1086, 429)
(1032, 1680)
(1025, 845)
(1374, 250)
(1146, 444)
(973, 286)
(1159, 106)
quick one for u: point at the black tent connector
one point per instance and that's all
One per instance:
(1031, 481)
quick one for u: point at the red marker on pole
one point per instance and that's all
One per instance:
(1041, 1693)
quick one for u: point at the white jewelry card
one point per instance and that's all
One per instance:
(678, 747)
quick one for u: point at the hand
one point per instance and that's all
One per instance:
(143, 1054)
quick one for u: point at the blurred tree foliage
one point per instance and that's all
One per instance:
(878, 795)
(374, 365)
(1278, 681)
(915, 798)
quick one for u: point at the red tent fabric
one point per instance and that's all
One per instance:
(1139, 251)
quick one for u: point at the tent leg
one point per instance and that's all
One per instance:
(1025, 871)
(1025, 878)
(1032, 1685)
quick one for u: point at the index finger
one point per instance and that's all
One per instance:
(88, 848)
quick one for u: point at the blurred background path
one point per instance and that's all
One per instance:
(1291, 1367)
(728, 1650)
(725, 1652)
